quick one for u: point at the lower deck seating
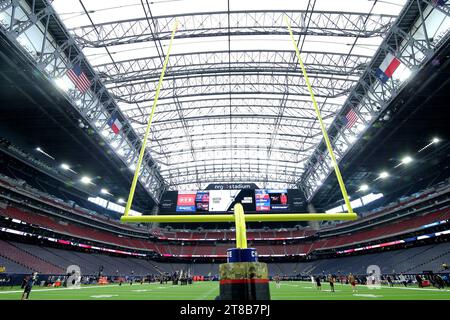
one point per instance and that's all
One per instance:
(28, 260)
(411, 260)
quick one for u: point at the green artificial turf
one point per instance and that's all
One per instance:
(209, 290)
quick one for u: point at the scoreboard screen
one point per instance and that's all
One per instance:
(223, 201)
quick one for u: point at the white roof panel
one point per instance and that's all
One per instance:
(233, 107)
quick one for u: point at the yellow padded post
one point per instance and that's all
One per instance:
(322, 126)
(241, 230)
(149, 124)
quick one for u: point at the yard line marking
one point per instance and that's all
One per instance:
(367, 295)
(142, 290)
(421, 289)
(402, 288)
(57, 289)
(206, 294)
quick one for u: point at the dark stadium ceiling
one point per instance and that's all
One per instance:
(233, 106)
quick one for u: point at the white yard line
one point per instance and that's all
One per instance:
(82, 287)
(56, 289)
(402, 288)
(419, 289)
(206, 294)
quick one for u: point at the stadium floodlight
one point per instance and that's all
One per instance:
(104, 191)
(66, 167)
(86, 180)
(364, 187)
(435, 140)
(38, 149)
(121, 200)
(383, 175)
(407, 160)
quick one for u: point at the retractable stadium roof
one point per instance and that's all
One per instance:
(234, 106)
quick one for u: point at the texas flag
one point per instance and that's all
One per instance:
(387, 67)
(115, 125)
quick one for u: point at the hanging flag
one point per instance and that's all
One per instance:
(79, 78)
(387, 67)
(115, 125)
(350, 119)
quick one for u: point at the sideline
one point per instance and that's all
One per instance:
(80, 288)
(56, 289)
(401, 288)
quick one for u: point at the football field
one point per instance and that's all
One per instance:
(209, 290)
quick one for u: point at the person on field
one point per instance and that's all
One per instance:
(331, 280)
(24, 282)
(318, 284)
(403, 280)
(419, 280)
(352, 281)
(29, 286)
(277, 282)
(389, 280)
(438, 282)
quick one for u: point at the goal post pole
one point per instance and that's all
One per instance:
(149, 124)
(322, 126)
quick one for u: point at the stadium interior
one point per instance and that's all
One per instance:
(234, 123)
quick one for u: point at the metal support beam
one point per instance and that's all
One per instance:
(242, 23)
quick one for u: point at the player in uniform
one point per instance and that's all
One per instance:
(331, 281)
(352, 281)
(28, 286)
(318, 284)
(403, 280)
(277, 282)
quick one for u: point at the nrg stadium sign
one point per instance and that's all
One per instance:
(232, 186)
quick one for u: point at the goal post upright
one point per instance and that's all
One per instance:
(239, 217)
(149, 124)
(242, 277)
(319, 117)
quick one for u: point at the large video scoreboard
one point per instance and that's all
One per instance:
(223, 200)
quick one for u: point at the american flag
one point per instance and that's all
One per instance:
(79, 78)
(350, 119)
